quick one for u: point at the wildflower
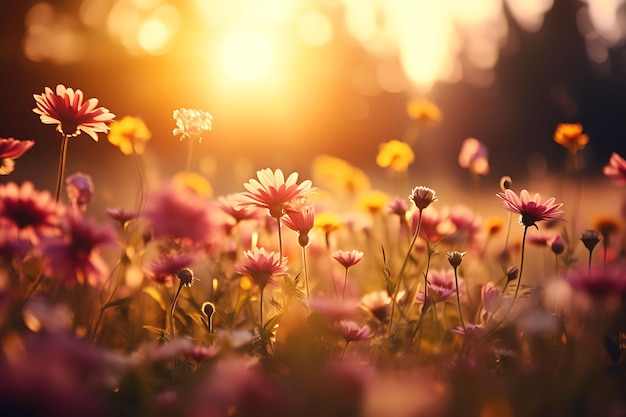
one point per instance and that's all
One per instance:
(616, 169)
(272, 192)
(557, 244)
(570, 136)
(66, 109)
(165, 267)
(351, 331)
(348, 258)
(540, 239)
(422, 197)
(130, 134)
(455, 258)
(474, 157)
(33, 213)
(442, 286)
(590, 238)
(377, 304)
(262, 266)
(186, 277)
(121, 215)
(179, 213)
(492, 298)
(194, 182)
(74, 256)
(11, 149)
(373, 201)
(229, 204)
(398, 206)
(80, 189)
(395, 154)
(339, 175)
(470, 330)
(191, 123)
(494, 225)
(531, 210)
(460, 226)
(300, 218)
(327, 221)
(599, 282)
(423, 111)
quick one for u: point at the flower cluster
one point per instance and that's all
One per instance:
(283, 298)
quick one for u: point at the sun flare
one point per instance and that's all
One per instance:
(247, 55)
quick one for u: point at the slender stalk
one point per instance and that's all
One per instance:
(306, 273)
(458, 299)
(141, 180)
(173, 309)
(280, 239)
(345, 282)
(402, 269)
(61, 171)
(261, 311)
(189, 154)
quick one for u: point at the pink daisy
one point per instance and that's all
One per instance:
(532, 209)
(351, 331)
(272, 192)
(599, 282)
(300, 218)
(11, 149)
(441, 286)
(66, 109)
(229, 204)
(74, 256)
(179, 213)
(31, 212)
(165, 267)
(616, 169)
(347, 258)
(262, 266)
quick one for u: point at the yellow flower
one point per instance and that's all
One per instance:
(571, 136)
(130, 134)
(338, 175)
(493, 225)
(423, 111)
(373, 201)
(194, 182)
(395, 154)
(327, 221)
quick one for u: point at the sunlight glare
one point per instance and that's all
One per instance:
(247, 55)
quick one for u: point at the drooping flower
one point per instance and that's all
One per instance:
(130, 134)
(474, 157)
(395, 154)
(33, 213)
(191, 123)
(262, 266)
(347, 258)
(300, 218)
(11, 149)
(179, 213)
(79, 189)
(272, 192)
(74, 256)
(616, 169)
(532, 210)
(66, 109)
(422, 197)
(570, 136)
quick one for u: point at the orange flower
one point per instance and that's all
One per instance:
(395, 154)
(570, 136)
(423, 111)
(130, 135)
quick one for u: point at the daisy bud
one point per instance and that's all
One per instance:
(186, 277)
(506, 183)
(557, 245)
(422, 197)
(590, 238)
(455, 258)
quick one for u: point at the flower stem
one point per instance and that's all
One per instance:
(402, 269)
(306, 273)
(61, 171)
(173, 309)
(189, 154)
(345, 282)
(458, 299)
(261, 312)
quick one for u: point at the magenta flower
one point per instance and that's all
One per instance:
(532, 210)
(616, 169)
(599, 282)
(351, 331)
(121, 215)
(165, 267)
(11, 149)
(74, 256)
(66, 109)
(441, 286)
(272, 192)
(262, 266)
(33, 213)
(300, 218)
(347, 258)
(176, 212)
(79, 189)
(229, 204)
(398, 206)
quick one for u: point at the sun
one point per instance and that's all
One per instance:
(247, 54)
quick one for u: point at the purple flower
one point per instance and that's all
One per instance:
(79, 189)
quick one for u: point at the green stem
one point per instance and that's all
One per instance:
(61, 171)
(402, 269)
